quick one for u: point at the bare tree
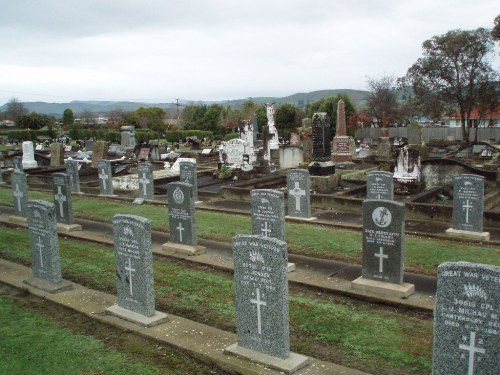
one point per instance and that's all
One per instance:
(15, 109)
(383, 99)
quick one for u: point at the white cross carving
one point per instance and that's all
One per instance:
(60, 198)
(130, 270)
(297, 192)
(472, 350)
(381, 256)
(144, 181)
(180, 229)
(103, 176)
(40, 246)
(18, 194)
(467, 206)
(258, 302)
(265, 229)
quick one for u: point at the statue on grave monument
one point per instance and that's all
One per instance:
(273, 132)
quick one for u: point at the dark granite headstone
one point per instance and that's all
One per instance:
(181, 214)
(61, 189)
(468, 202)
(321, 137)
(105, 177)
(268, 213)
(260, 274)
(19, 185)
(73, 172)
(134, 264)
(146, 181)
(383, 240)
(299, 193)
(17, 163)
(379, 185)
(187, 174)
(44, 244)
(466, 324)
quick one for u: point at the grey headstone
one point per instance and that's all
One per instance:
(105, 177)
(134, 264)
(268, 213)
(73, 172)
(146, 181)
(260, 274)
(466, 324)
(17, 163)
(61, 188)
(2, 182)
(383, 240)
(468, 202)
(181, 215)
(44, 244)
(56, 154)
(89, 144)
(414, 135)
(19, 185)
(187, 174)
(299, 193)
(379, 185)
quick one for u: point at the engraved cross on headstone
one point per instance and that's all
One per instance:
(130, 270)
(60, 198)
(265, 229)
(472, 349)
(467, 206)
(297, 192)
(144, 181)
(258, 302)
(381, 256)
(103, 176)
(180, 228)
(18, 194)
(40, 246)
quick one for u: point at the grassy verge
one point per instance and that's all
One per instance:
(372, 338)
(421, 255)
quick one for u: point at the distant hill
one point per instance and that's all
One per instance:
(102, 107)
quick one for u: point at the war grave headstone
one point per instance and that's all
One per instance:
(17, 163)
(321, 164)
(299, 194)
(89, 145)
(104, 174)
(383, 249)
(19, 184)
(181, 217)
(134, 271)
(72, 169)
(466, 319)
(46, 264)
(261, 299)
(187, 174)
(61, 188)
(2, 182)
(99, 152)
(28, 160)
(468, 208)
(56, 154)
(146, 181)
(268, 215)
(379, 185)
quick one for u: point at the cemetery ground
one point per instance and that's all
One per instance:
(371, 337)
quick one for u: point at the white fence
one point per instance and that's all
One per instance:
(439, 133)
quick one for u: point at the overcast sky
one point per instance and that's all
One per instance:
(159, 50)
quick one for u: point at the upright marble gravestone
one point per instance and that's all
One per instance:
(187, 174)
(268, 213)
(73, 172)
(379, 185)
(468, 202)
(466, 319)
(134, 270)
(299, 193)
(46, 265)
(105, 177)
(146, 182)
(19, 185)
(62, 198)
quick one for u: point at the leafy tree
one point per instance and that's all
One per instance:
(150, 118)
(87, 118)
(454, 72)
(203, 117)
(15, 109)
(329, 105)
(287, 117)
(68, 117)
(383, 99)
(35, 121)
(495, 33)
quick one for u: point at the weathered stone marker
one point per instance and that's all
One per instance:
(105, 177)
(181, 217)
(187, 174)
(146, 181)
(379, 185)
(299, 193)
(56, 154)
(61, 188)
(19, 185)
(17, 163)
(44, 246)
(262, 323)
(2, 182)
(468, 207)
(72, 169)
(383, 249)
(134, 271)
(466, 319)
